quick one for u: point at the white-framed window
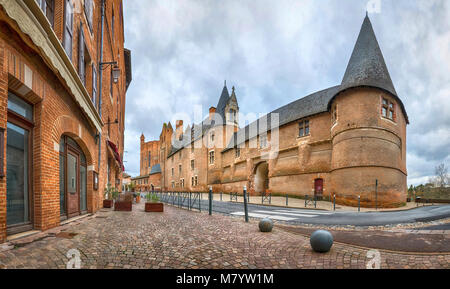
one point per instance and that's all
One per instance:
(388, 109)
(211, 157)
(195, 181)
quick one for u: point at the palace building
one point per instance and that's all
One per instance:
(348, 140)
(64, 73)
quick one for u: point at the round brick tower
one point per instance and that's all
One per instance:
(368, 131)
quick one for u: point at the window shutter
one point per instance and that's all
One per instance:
(68, 28)
(88, 10)
(81, 67)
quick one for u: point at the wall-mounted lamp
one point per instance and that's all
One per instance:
(115, 69)
(116, 73)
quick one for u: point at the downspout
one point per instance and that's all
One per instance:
(100, 85)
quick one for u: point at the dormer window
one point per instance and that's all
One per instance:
(262, 141)
(238, 152)
(388, 109)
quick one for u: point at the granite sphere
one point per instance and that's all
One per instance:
(321, 241)
(266, 225)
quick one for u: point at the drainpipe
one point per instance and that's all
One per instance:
(100, 84)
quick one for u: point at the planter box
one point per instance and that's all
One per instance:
(123, 206)
(138, 199)
(108, 203)
(154, 207)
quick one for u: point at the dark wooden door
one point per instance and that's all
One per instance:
(73, 187)
(318, 187)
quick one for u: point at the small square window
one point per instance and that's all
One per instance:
(303, 128)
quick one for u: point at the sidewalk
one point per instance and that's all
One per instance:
(300, 203)
(181, 239)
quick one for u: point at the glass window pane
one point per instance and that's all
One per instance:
(307, 130)
(62, 195)
(384, 112)
(83, 188)
(19, 106)
(71, 174)
(17, 175)
(385, 102)
(391, 114)
(301, 132)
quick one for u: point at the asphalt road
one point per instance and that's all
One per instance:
(309, 216)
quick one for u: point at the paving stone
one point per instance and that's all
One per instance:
(182, 239)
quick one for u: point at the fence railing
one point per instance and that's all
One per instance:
(188, 200)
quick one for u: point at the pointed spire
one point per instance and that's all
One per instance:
(367, 66)
(223, 100)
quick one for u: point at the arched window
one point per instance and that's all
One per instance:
(72, 178)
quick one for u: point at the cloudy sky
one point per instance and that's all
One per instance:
(277, 51)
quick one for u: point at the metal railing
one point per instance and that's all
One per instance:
(188, 200)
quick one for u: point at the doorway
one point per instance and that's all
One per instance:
(318, 188)
(73, 179)
(19, 196)
(262, 177)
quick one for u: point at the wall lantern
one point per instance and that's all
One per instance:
(116, 73)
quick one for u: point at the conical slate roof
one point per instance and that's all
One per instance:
(223, 100)
(366, 66)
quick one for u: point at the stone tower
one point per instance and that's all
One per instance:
(368, 130)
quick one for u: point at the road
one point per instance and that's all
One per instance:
(310, 216)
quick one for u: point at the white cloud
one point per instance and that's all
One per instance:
(277, 51)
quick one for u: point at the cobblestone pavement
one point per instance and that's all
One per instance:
(181, 239)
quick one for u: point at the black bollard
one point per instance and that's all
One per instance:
(245, 204)
(210, 201)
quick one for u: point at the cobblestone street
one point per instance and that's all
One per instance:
(181, 239)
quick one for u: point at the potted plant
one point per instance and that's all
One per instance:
(138, 198)
(153, 204)
(124, 204)
(110, 195)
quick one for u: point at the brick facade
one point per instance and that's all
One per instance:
(62, 105)
(333, 142)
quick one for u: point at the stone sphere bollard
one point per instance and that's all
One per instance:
(266, 225)
(321, 241)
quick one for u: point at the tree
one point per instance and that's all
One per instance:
(442, 178)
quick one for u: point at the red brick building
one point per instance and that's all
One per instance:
(64, 73)
(348, 140)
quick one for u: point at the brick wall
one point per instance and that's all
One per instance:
(55, 111)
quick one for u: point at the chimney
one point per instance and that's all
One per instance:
(179, 128)
(142, 138)
(212, 111)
